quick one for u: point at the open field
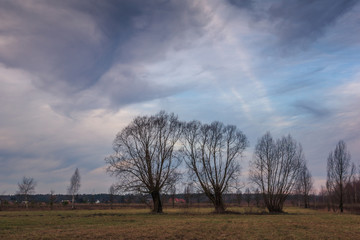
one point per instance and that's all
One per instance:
(195, 223)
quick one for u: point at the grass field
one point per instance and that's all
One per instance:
(196, 223)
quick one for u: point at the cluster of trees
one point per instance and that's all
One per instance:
(148, 152)
(28, 184)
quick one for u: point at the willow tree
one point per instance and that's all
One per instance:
(339, 173)
(212, 153)
(276, 168)
(145, 157)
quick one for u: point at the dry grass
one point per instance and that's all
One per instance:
(177, 224)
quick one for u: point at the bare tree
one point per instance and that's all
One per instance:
(74, 187)
(305, 184)
(211, 152)
(357, 186)
(247, 196)
(188, 191)
(352, 188)
(145, 157)
(52, 199)
(339, 173)
(275, 169)
(26, 187)
(257, 197)
(112, 191)
(239, 197)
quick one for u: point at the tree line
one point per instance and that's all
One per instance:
(148, 153)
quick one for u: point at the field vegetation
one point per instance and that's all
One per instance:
(178, 223)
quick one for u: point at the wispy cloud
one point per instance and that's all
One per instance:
(312, 108)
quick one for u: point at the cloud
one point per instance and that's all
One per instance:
(345, 98)
(246, 4)
(57, 43)
(74, 73)
(38, 142)
(95, 54)
(70, 46)
(312, 108)
(305, 80)
(302, 22)
(295, 23)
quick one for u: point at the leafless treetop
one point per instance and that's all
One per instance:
(212, 154)
(276, 168)
(145, 156)
(74, 183)
(27, 186)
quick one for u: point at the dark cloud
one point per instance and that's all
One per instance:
(69, 45)
(303, 21)
(59, 44)
(296, 23)
(312, 108)
(140, 89)
(245, 4)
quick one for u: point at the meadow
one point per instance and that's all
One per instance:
(178, 223)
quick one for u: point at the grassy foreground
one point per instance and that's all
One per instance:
(176, 224)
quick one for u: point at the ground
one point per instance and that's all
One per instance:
(194, 223)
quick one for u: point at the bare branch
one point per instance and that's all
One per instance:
(211, 153)
(145, 157)
(276, 168)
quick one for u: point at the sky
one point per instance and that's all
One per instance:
(73, 73)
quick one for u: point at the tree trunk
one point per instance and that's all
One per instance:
(26, 201)
(157, 202)
(355, 193)
(275, 209)
(275, 206)
(341, 204)
(219, 204)
(73, 202)
(306, 201)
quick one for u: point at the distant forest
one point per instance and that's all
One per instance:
(190, 199)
